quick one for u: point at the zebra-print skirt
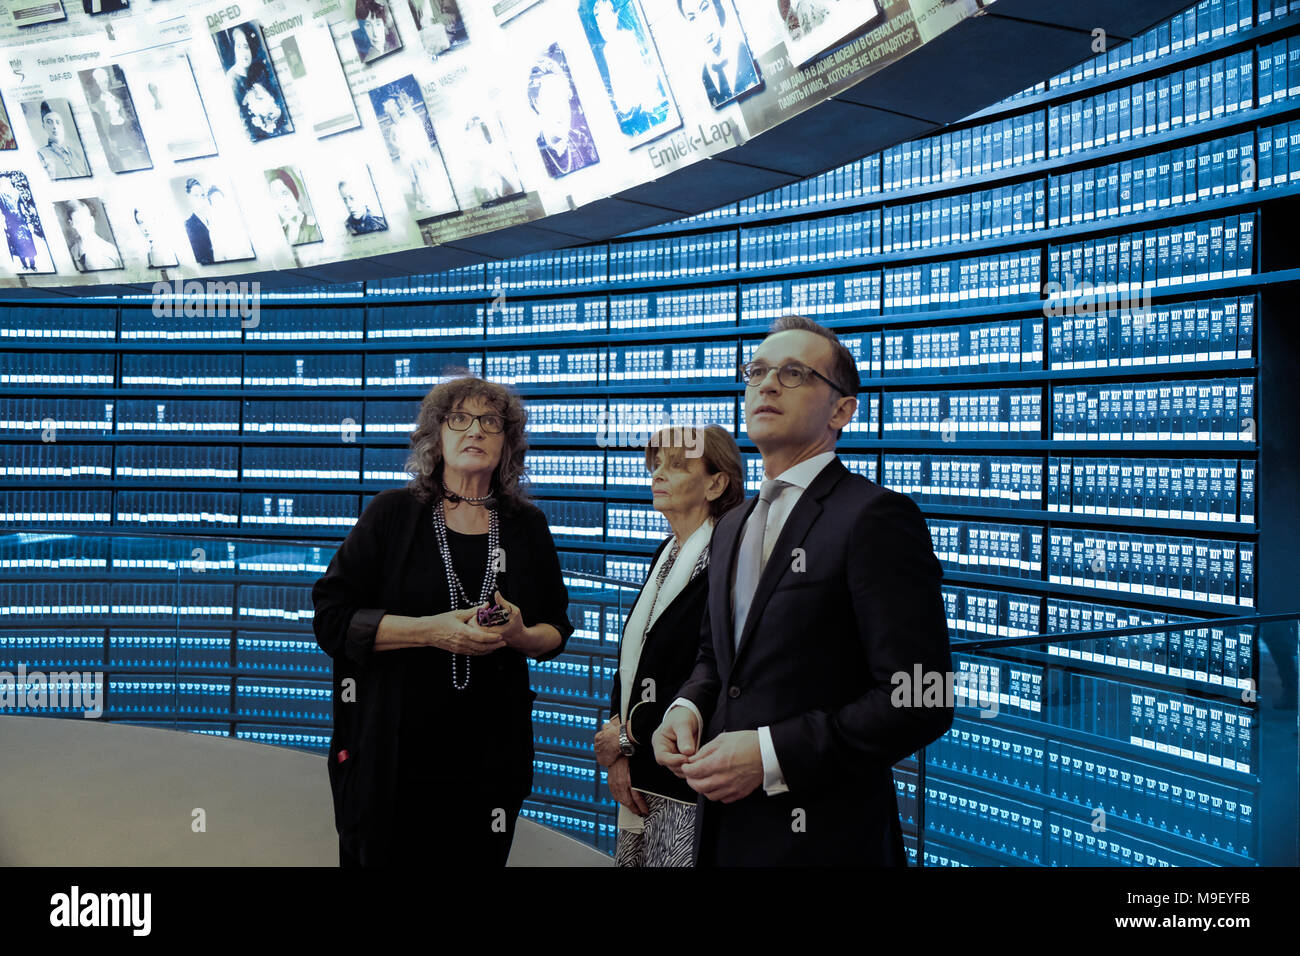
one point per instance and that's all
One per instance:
(667, 840)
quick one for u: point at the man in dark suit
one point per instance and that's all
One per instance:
(821, 591)
(197, 226)
(728, 66)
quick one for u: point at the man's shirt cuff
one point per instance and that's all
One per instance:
(773, 780)
(699, 720)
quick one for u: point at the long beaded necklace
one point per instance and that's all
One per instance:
(456, 592)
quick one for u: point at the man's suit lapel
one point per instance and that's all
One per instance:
(800, 520)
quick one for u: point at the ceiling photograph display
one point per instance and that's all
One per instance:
(170, 140)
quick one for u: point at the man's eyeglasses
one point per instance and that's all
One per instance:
(791, 375)
(460, 422)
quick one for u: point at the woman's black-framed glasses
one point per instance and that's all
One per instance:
(791, 375)
(460, 422)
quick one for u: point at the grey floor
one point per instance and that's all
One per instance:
(78, 792)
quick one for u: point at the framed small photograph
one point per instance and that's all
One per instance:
(7, 140)
(115, 118)
(61, 153)
(292, 205)
(159, 251)
(413, 146)
(253, 83)
(482, 168)
(375, 34)
(171, 105)
(364, 214)
(564, 138)
(29, 252)
(727, 67)
(89, 235)
(629, 65)
(440, 25)
(215, 226)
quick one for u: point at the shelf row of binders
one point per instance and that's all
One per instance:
(1220, 409)
(1175, 333)
(1209, 491)
(1184, 332)
(1093, 304)
(1220, 658)
(1193, 489)
(1122, 562)
(253, 589)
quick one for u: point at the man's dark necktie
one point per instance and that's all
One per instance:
(724, 88)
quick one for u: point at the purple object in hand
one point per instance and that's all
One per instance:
(490, 616)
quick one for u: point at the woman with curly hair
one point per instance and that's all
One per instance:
(431, 756)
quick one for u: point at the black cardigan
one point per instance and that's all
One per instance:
(377, 571)
(668, 656)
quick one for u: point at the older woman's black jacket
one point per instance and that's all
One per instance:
(668, 656)
(380, 569)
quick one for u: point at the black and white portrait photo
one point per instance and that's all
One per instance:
(292, 206)
(253, 84)
(412, 145)
(727, 67)
(214, 226)
(89, 235)
(61, 153)
(564, 138)
(24, 234)
(375, 34)
(629, 65)
(440, 25)
(94, 7)
(158, 250)
(357, 193)
(115, 118)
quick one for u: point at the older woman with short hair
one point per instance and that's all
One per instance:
(695, 478)
(431, 756)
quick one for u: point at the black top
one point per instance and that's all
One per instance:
(431, 744)
(389, 564)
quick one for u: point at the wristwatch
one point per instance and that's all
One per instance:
(624, 742)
